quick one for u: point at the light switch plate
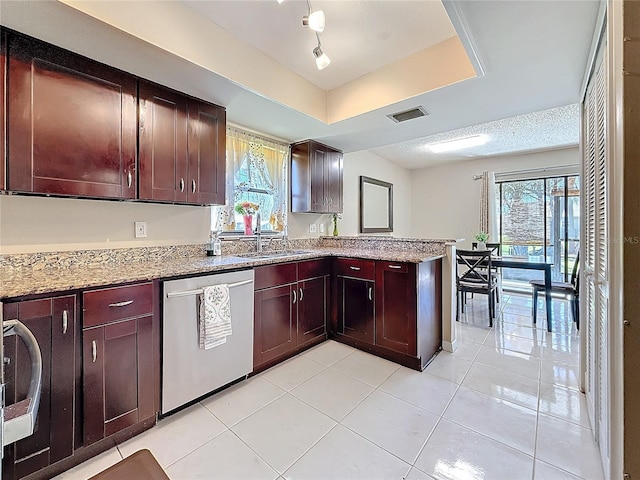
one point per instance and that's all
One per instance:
(322, 227)
(141, 229)
(313, 228)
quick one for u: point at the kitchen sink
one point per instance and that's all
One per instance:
(271, 254)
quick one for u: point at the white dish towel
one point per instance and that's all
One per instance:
(215, 316)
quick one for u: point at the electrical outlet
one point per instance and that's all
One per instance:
(313, 228)
(322, 227)
(141, 229)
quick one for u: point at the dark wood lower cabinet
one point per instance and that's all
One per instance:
(356, 308)
(118, 363)
(312, 309)
(53, 323)
(275, 320)
(289, 314)
(396, 306)
(398, 316)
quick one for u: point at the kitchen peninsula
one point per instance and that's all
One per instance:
(378, 294)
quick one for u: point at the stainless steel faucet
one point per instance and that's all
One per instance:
(258, 233)
(285, 237)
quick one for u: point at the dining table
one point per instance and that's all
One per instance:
(514, 262)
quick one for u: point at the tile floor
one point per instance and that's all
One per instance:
(504, 406)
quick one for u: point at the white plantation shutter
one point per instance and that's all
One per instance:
(595, 276)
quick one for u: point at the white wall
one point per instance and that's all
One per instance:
(38, 224)
(435, 202)
(370, 165)
(445, 198)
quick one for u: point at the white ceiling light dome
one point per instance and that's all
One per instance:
(315, 21)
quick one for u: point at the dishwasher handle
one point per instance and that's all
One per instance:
(20, 426)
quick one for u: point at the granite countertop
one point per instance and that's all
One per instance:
(29, 281)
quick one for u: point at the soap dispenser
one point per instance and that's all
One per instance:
(217, 245)
(214, 248)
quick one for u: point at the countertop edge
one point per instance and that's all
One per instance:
(146, 271)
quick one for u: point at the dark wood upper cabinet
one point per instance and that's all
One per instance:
(207, 153)
(54, 324)
(71, 123)
(182, 147)
(163, 144)
(74, 128)
(316, 178)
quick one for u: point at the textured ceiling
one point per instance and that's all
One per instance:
(545, 130)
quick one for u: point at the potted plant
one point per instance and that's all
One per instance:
(481, 238)
(247, 210)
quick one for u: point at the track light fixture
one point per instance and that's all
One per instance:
(315, 20)
(322, 59)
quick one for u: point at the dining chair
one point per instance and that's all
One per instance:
(496, 250)
(570, 289)
(474, 275)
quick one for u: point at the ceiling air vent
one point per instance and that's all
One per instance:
(408, 114)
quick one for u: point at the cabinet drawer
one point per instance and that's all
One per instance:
(113, 304)
(398, 267)
(313, 269)
(272, 275)
(357, 268)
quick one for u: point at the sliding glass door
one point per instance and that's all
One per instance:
(539, 219)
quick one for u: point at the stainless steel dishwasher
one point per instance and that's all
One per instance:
(189, 372)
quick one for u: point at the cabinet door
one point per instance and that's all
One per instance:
(53, 323)
(312, 309)
(333, 180)
(118, 376)
(163, 144)
(207, 153)
(318, 179)
(275, 322)
(396, 305)
(356, 308)
(71, 123)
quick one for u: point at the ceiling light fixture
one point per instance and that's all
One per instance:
(458, 143)
(280, 1)
(315, 20)
(322, 60)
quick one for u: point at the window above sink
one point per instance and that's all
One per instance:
(257, 173)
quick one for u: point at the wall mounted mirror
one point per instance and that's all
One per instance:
(376, 205)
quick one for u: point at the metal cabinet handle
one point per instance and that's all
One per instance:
(193, 186)
(355, 268)
(370, 293)
(395, 266)
(301, 294)
(182, 185)
(294, 296)
(65, 321)
(129, 179)
(94, 351)
(121, 304)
